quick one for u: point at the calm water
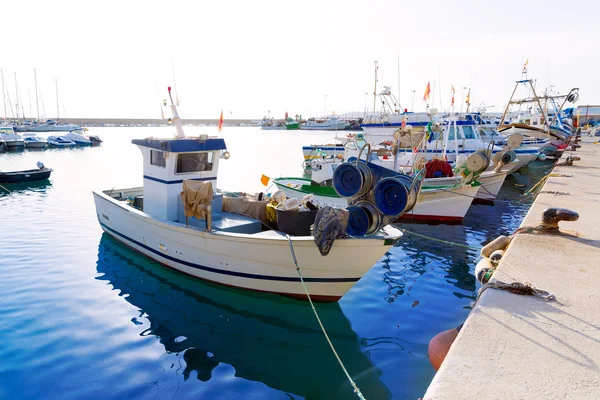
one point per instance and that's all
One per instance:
(81, 316)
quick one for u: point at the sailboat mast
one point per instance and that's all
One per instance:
(3, 93)
(375, 90)
(17, 97)
(37, 106)
(57, 106)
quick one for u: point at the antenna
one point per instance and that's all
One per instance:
(174, 84)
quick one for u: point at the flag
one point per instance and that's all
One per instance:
(427, 90)
(429, 132)
(286, 115)
(525, 65)
(453, 91)
(265, 180)
(220, 122)
(468, 101)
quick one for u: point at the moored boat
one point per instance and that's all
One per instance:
(60, 142)
(332, 123)
(34, 142)
(225, 247)
(12, 140)
(30, 175)
(441, 203)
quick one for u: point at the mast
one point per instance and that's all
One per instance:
(508, 105)
(176, 119)
(539, 104)
(375, 90)
(3, 93)
(57, 106)
(174, 84)
(17, 97)
(37, 107)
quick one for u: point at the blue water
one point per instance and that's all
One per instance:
(82, 316)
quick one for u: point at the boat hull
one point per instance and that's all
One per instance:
(25, 176)
(440, 204)
(30, 144)
(260, 262)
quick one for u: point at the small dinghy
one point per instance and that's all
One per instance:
(59, 141)
(30, 175)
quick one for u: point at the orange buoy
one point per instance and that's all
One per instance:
(440, 345)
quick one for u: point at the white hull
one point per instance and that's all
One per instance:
(261, 261)
(324, 127)
(443, 204)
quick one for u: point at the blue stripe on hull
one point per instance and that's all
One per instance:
(225, 272)
(151, 178)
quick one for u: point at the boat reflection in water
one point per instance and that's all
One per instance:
(267, 338)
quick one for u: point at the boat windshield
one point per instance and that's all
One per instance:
(469, 132)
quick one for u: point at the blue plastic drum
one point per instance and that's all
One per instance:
(352, 179)
(362, 220)
(392, 195)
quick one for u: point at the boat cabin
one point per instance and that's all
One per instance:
(168, 162)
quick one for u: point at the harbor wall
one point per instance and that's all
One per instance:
(519, 347)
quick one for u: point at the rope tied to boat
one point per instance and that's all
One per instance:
(352, 383)
(466, 246)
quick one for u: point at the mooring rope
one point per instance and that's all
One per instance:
(352, 383)
(524, 289)
(439, 240)
(5, 189)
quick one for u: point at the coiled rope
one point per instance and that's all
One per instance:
(352, 383)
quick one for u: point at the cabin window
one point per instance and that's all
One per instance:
(157, 158)
(194, 162)
(452, 134)
(469, 132)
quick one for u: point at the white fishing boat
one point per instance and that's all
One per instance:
(442, 203)
(332, 123)
(12, 140)
(226, 247)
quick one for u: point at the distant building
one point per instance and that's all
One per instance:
(588, 114)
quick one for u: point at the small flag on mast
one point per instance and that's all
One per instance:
(427, 91)
(526, 63)
(220, 122)
(468, 101)
(453, 91)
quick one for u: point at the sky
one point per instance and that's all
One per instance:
(115, 59)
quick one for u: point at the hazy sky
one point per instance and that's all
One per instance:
(249, 57)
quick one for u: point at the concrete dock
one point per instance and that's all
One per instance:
(523, 347)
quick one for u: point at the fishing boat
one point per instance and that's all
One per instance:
(271, 124)
(34, 142)
(60, 142)
(30, 175)
(332, 123)
(441, 203)
(12, 140)
(227, 247)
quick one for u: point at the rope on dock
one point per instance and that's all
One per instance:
(524, 289)
(352, 383)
